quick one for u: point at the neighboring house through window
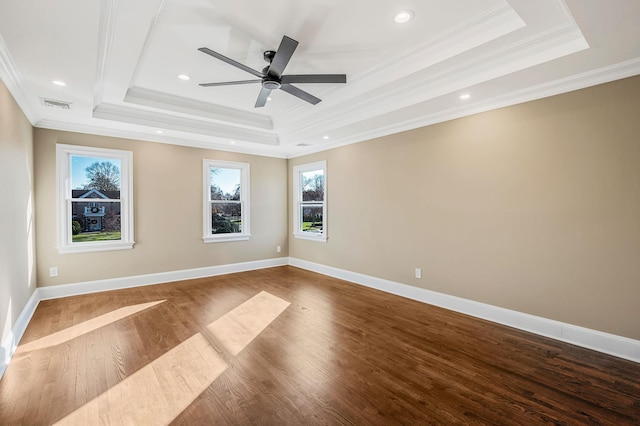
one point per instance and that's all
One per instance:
(310, 201)
(226, 201)
(94, 199)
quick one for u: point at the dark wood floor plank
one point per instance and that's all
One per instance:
(339, 354)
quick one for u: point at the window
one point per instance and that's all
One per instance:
(226, 201)
(94, 199)
(310, 201)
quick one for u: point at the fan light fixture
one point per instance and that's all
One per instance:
(404, 16)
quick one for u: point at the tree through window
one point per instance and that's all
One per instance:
(226, 204)
(310, 213)
(94, 199)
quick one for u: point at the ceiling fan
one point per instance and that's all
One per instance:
(271, 76)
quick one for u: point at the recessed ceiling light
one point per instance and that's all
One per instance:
(159, 131)
(465, 96)
(404, 16)
(232, 142)
(184, 77)
(59, 83)
(269, 98)
(325, 137)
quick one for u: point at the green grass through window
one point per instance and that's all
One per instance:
(96, 236)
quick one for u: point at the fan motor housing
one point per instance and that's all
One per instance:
(271, 84)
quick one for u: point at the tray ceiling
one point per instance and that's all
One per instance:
(120, 61)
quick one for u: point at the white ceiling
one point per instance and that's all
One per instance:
(120, 60)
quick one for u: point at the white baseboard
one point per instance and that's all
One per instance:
(610, 344)
(65, 290)
(10, 343)
(43, 293)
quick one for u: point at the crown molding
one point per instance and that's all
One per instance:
(590, 78)
(472, 33)
(10, 75)
(542, 47)
(587, 79)
(168, 102)
(467, 35)
(165, 121)
(210, 143)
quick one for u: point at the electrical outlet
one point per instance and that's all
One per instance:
(418, 273)
(53, 271)
(278, 249)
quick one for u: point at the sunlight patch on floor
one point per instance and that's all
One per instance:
(157, 393)
(237, 328)
(85, 327)
(161, 390)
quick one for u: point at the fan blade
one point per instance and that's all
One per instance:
(305, 96)
(314, 78)
(229, 83)
(283, 55)
(231, 61)
(262, 97)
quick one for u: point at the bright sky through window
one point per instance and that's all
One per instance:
(226, 179)
(79, 165)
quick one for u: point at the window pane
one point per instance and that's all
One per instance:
(225, 184)
(93, 221)
(94, 194)
(312, 184)
(99, 174)
(226, 218)
(311, 218)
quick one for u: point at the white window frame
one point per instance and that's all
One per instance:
(297, 202)
(65, 244)
(245, 192)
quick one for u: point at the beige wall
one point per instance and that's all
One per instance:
(17, 255)
(534, 208)
(168, 211)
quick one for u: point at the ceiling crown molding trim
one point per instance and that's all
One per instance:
(106, 31)
(168, 102)
(10, 75)
(525, 53)
(206, 143)
(467, 35)
(587, 79)
(166, 121)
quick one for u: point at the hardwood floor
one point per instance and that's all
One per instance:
(288, 346)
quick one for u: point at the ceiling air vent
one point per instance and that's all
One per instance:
(56, 104)
(304, 144)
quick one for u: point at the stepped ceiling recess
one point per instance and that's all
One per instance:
(120, 61)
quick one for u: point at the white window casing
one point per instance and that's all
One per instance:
(317, 230)
(211, 234)
(65, 200)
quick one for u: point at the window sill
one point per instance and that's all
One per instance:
(222, 238)
(95, 247)
(322, 238)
